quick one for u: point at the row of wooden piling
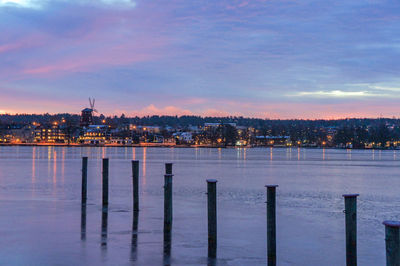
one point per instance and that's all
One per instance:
(392, 235)
(168, 209)
(391, 227)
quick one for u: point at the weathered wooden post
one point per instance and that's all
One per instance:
(167, 248)
(392, 243)
(212, 217)
(134, 240)
(168, 168)
(350, 202)
(105, 182)
(84, 179)
(104, 226)
(135, 182)
(167, 202)
(167, 214)
(271, 224)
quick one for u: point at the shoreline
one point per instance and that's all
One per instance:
(159, 145)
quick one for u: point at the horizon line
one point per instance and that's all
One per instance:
(202, 116)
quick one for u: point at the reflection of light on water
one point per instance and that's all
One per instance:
(323, 154)
(244, 154)
(144, 164)
(349, 153)
(219, 154)
(126, 153)
(133, 153)
(298, 154)
(33, 165)
(394, 155)
(373, 155)
(62, 164)
(288, 153)
(48, 161)
(55, 167)
(103, 152)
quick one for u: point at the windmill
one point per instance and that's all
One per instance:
(91, 103)
(87, 114)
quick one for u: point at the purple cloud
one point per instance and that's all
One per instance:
(257, 58)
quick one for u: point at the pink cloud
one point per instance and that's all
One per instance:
(96, 58)
(153, 110)
(215, 112)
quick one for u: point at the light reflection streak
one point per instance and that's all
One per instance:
(348, 154)
(144, 164)
(103, 152)
(55, 167)
(33, 165)
(48, 161)
(62, 164)
(323, 154)
(133, 153)
(271, 155)
(298, 154)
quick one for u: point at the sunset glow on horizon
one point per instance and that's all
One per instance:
(267, 59)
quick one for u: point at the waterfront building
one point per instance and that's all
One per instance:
(49, 134)
(183, 137)
(95, 135)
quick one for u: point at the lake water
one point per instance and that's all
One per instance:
(41, 221)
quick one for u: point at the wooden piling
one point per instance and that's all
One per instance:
(104, 226)
(167, 203)
(167, 214)
(135, 183)
(271, 224)
(84, 179)
(350, 202)
(212, 217)
(105, 182)
(134, 240)
(167, 248)
(168, 168)
(392, 243)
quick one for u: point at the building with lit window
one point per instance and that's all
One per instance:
(49, 134)
(95, 135)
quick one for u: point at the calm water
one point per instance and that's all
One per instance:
(41, 222)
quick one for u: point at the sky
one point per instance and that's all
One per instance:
(277, 59)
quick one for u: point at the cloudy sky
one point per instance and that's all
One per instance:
(258, 58)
